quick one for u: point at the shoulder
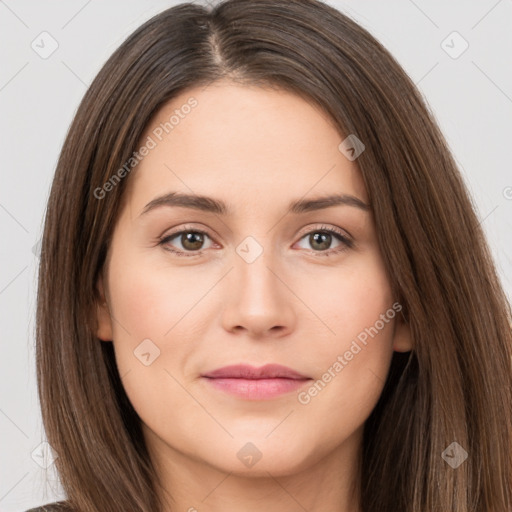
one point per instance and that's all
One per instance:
(57, 506)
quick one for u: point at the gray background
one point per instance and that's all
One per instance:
(470, 95)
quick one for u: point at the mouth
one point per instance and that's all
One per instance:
(252, 383)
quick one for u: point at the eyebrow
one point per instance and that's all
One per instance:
(217, 206)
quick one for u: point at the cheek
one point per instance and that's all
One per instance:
(352, 361)
(349, 299)
(149, 299)
(151, 337)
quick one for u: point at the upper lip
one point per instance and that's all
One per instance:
(243, 371)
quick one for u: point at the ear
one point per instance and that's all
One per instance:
(103, 319)
(402, 339)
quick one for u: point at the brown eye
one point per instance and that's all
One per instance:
(192, 240)
(320, 241)
(188, 241)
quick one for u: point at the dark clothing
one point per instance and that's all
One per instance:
(56, 506)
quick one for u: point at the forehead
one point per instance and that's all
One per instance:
(233, 142)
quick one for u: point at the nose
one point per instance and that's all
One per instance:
(260, 302)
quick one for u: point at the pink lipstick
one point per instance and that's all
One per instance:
(253, 383)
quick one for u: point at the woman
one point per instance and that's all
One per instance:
(263, 284)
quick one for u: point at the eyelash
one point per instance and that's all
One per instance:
(346, 242)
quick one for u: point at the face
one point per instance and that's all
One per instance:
(246, 278)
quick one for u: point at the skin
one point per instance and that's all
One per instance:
(257, 150)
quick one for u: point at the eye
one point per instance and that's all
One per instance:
(189, 239)
(321, 239)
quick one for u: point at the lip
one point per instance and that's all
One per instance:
(244, 371)
(253, 383)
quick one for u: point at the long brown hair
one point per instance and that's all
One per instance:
(454, 386)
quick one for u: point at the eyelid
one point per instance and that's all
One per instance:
(184, 227)
(325, 227)
(302, 232)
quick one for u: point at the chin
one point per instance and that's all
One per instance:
(257, 457)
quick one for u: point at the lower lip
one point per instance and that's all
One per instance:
(257, 389)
